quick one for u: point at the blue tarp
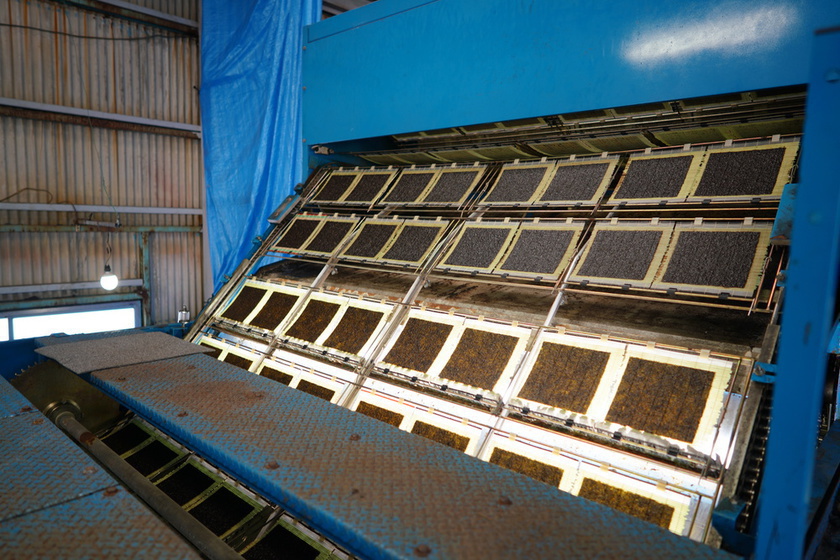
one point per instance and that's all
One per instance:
(251, 117)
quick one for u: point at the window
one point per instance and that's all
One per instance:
(77, 319)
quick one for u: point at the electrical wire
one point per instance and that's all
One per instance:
(91, 37)
(14, 194)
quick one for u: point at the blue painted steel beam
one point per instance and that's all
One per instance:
(409, 65)
(379, 491)
(808, 314)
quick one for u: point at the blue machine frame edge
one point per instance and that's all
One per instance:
(808, 315)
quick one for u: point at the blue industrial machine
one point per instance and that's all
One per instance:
(592, 244)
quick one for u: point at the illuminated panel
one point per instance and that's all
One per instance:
(324, 380)
(368, 188)
(312, 320)
(517, 184)
(410, 186)
(245, 302)
(541, 251)
(379, 413)
(336, 185)
(453, 185)
(299, 232)
(354, 330)
(715, 259)
(658, 178)
(578, 182)
(440, 435)
(238, 361)
(480, 358)
(529, 467)
(623, 255)
(276, 375)
(418, 344)
(274, 310)
(479, 246)
(330, 236)
(414, 242)
(746, 172)
(679, 396)
(628, 502)
(565, 376)
(372, 239)
(544, 455)
(661, 398)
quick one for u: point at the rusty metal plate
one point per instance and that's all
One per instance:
(376, 490)
(40, 467)
(106, 524)
(12, 402)
(83, 356)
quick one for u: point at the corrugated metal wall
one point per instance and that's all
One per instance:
(75, 58)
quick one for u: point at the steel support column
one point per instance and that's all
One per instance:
(808, 315)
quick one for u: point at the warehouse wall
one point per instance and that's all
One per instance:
(101, 109)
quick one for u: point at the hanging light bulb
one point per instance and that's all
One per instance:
(109, 280)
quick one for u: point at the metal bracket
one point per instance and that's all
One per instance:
(763, 373)
(834, 341)
(724, 519)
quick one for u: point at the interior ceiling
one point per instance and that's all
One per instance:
(331, 8)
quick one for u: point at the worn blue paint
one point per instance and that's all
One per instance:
(725, 519)
(12, 402)
(379, 491)
(57, 502)
(834, 344)
(407, 65)
(808, 314)
(784, 215)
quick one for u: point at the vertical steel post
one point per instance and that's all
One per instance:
(146, 274)
(808, 315)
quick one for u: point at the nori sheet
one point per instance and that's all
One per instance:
(477, 247)
(408, 187)
(654, 178)
(529, 467)
(575, 182)
(216, 352)
(244, 303)
(661, 399)
(538, 251)
(370, 240)
(621, 254)
(329, 237)
(418, 344)
(412, 243)
(440, 435)
(627, 502)
(712, 258)
(565, 376)
(299, 232)
(274, 310)
(379, 413)
(314, 319)
(480, 358)
(367, 187)
(315, 389)
(751, 173)
(238, 361)
(335, 186)
(517, 184)
(276, 375)
(353, 330)
(451, 186)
